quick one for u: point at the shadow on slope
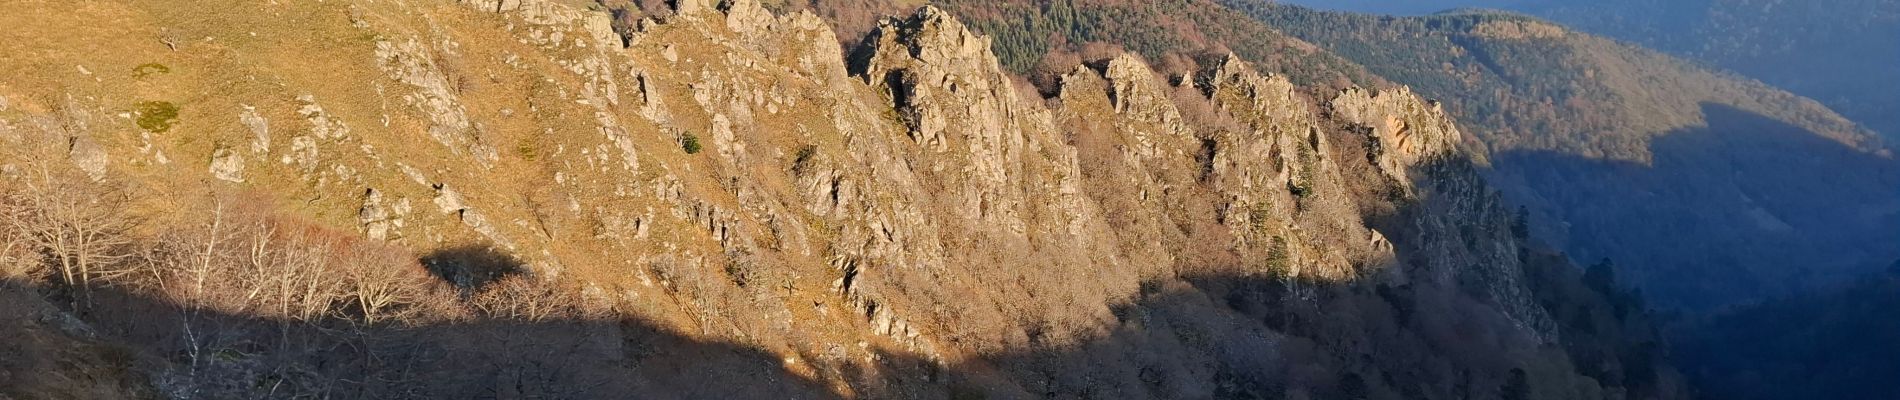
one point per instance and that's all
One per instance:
(1236, 338)
(1746, 208)
(1830, 344)
(1199, 337)
(206, 354)
(472, 268)
(1445, 332)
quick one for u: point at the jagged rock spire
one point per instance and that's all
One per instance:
(1408, 129)
(692, 7)
(931, 61)
(930, 37)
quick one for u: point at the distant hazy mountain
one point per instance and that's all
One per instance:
(1841, 52)
(1407, 7)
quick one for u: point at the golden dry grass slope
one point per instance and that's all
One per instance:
(745, 211)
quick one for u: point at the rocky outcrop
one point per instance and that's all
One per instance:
(958, 104)
(87, 155)
(1413, 141)
(227, 165)
(414, 65)
(939, 73)
(259, 127)
(1518, 30)
(1407, 129)
(596, 26)
(693, 8)
(1138, 95)
(382, 219)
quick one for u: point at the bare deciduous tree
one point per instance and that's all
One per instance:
(76, 224)
(525, 299)
(383, 282)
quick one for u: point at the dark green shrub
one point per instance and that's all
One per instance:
(805, 154)
(148, 69)
(690, 143)
(1297, 189)
(1279, 258)
(157, 116)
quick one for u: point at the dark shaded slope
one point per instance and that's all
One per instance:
(1826, 344)
(1727, 210)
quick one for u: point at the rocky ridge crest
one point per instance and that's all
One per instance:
(847, 214)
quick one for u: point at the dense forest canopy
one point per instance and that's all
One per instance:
(1840, 52)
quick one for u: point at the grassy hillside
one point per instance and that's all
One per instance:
(513, 199)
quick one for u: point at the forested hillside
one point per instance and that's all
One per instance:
(1830, 344)
(1840, 52)
(1706, 188)
(1173, 32)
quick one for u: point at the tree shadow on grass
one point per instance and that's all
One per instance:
(471, 268)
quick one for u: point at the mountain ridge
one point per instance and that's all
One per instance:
(910, 223)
